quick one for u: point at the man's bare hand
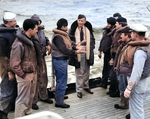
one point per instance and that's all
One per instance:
(111, 62)
(127, 93)
(78, 45)
(80, 50)
(99, 54)
(11, 76)
(48, 48)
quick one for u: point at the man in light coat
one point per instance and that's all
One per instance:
(138, 87)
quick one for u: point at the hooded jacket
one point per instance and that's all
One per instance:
(7, 37)
(23, 55)
(44, 41)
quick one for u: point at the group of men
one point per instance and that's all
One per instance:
(23, 68)
(126, 61)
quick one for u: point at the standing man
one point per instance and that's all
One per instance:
(42, 79)
(23, 62)
(8, 85)
(139, 82)
(105, 46)
(61, 50)
(116, 36)
(81, 32)
(122, 78)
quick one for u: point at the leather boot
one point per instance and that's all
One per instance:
(3, 115)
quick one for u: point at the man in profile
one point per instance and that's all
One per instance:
(23, 62)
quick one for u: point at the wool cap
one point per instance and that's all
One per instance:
(138, 28)
(9, 16)
(121, 19)
(36, 17)
(111, 20)
(126, 30)
(117, 15)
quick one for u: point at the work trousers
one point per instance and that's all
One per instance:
(82, 74)
(136, 105)
(60, 66)
(8, 93)
(26, 92)
(122, 82)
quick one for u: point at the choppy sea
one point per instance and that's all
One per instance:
(96, 11)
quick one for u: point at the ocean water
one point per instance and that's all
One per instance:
(96, 11)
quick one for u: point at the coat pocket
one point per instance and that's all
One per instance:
(28, 67)
(125, 69)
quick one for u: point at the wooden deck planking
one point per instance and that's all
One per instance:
(91, 106)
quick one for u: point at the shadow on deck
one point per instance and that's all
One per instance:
(90, 106)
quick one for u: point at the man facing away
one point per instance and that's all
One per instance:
(61, 50)
(8, 85)
(105, 46)
(81, 32)
(23, 62)
(42, 79)
(138, 55)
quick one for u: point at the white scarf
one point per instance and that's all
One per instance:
(87, 38)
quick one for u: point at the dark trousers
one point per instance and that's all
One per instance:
(8, 93)
(60, 66)
(106, 69)
(113, 81)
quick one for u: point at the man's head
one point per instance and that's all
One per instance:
(138, 32)
(110, 22)
(121, 22)
(62, 24)
(30, 27)
(81, 20)
(126, 34)
(117, 15)
(36, 17)
(9, 19)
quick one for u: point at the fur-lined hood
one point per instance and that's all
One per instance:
(75, 25)
(23, 38)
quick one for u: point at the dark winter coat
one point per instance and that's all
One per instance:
(74, 60)
(7, 37)
(105, 43)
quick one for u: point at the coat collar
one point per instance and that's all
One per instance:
(22, 37)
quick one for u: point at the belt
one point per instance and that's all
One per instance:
(61, 58)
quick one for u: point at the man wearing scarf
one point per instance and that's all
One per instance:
(81, 32)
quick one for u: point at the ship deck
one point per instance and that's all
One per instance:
(90, 106)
